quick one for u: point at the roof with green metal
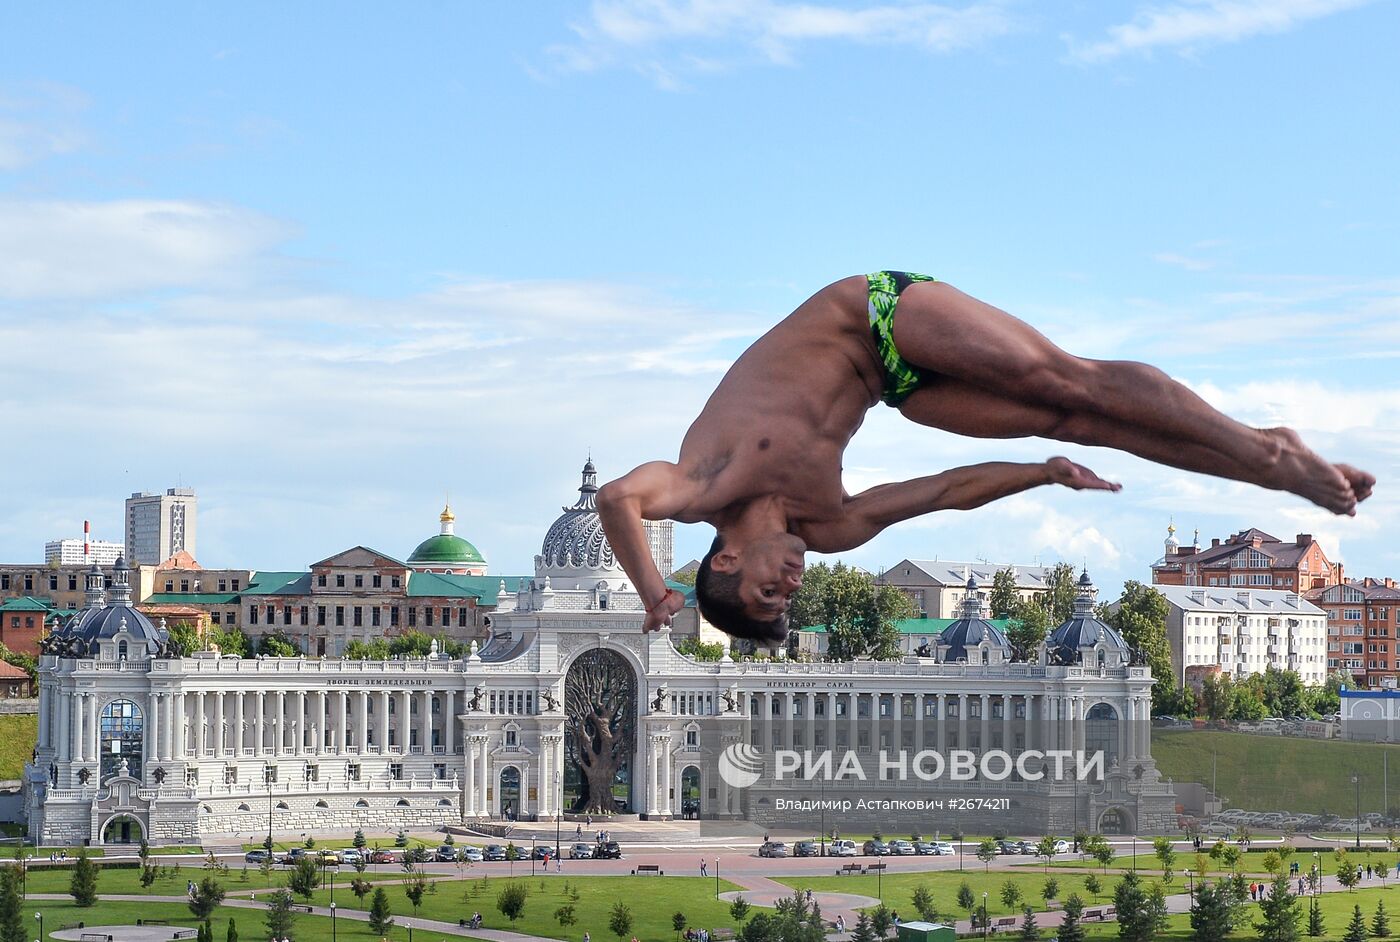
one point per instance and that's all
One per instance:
(446, 548)
(922, 626)
(279, 583)
(450, 585)
(25, 603)
(192, 598)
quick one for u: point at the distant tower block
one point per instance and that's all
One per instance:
(160, 525)
(661, 539)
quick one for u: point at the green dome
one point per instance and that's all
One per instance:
(446, 548)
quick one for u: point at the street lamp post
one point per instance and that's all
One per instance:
(716, 878)
(1356, 780)
(1190, 889)
(40, 916)
(332, 921)
(1317, 871)
(558, 809)
(985, 920)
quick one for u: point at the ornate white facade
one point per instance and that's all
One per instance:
(133, 742)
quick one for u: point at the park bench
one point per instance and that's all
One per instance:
(96, 937)
(1005, 922)
(850, 868)
(721, 933)
(648, 868)
(1092, 914)
(71, 925)
(1110, 912)
(185, 934)
(874, 868)
(153, 922)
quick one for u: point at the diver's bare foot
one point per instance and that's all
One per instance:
(1361, 481)
(1300, 470)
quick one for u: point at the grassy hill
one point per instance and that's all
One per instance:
(1275, 773)
(18, 734)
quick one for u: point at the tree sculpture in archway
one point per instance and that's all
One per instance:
(600, 701)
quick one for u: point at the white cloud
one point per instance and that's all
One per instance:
(38, 120)
(67, 250)
(649, 35)
(1190, 26)
(1183, 261)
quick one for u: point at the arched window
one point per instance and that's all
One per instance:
(122, 727)
(121, 650)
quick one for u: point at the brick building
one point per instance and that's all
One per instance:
(1250, 559)
(1363, 629)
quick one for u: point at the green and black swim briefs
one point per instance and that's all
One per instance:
(901, 376)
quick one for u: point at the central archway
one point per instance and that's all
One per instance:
(122, 829)
(600, 700)
(690, 793)
(510, 793)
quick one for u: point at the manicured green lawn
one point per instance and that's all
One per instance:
(18, 734)
(653, 900)
(251, 924)
(173, 879)
(1275, 773)
(1251, 863)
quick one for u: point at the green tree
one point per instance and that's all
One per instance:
(1004, 595)
(1030, 932)
(1061, 589)
(83, 886)
(1347, 873)
(511, 900)
(228, 641)
(1316, 926)
(678, 923)
(412, 643)
(1356, 929)
(359, 841)
(863, 931)
(375, 650)
(1327, 699)
(1166, 855)
(279, 920)
(12, 928)
(1279, 913)
(361, 888)
(1141, 618)
(207, 896)
(565, 915)
(1010, 894)
(414, 888)
(149, 873)
(987, 852)
(1071, 929)
(1029, 624)
(1135, 922)
(304, 879)
(1211, 919)
(1049, 891)
(923, 904)
(739, 909)
(1046, 849)
(700, 650)
(232, 934)
(380, 916)
(966, 899)
(184, 638)
(1380, 922)
(859, 615)
(880, 920)
(1093, 885)
(278, 644)
(620, 919)
(1102, 852)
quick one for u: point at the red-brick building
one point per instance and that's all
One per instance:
(15, 682)
(1250, 559)
(22, 624)
(1363, 629)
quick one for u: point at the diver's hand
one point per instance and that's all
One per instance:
(660, 613)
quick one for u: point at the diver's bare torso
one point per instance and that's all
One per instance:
(779, 421)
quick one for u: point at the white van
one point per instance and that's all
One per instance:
(843, 848)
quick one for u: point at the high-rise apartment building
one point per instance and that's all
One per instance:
(160, 525)
(661, 540)
(77, 552)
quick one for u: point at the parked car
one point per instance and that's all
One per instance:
(329, 857)
(901, 848)
(256, 856)
(843, 848)
(1062, 847)
(875, 849)
(543, 851)
(943, 848)
(1028, 848)
(806, 849)
(1008, 847)
(773, 849)
(351, 856)
(293, 855)
(493, 852)
(608, 850)
(581, 851)
(447, 853)
(378, 856)
(472, 854)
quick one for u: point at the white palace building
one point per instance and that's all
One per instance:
(135, 743)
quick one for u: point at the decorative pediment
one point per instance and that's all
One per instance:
(360, 557)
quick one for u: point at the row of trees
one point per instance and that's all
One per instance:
(186, 639)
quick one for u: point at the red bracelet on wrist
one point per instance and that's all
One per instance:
(658, 604)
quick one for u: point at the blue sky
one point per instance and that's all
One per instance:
(328, 263)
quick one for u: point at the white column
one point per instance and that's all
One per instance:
(665, 775)
(809, 707)
(544, 790)
(303, 720)
(962, 721)
(918, 722)
(363, 722)
(653, 776)
(425, 735)
(875, 722)
(1007, 733)
(485, 770)
(1030, 722)
(239, 721)
(852, 709)
(986, 734)
(181, 731)
(942, 721)
(1079, 714)
(260, 724)
(279, 710)
(449, 723)
(220, 733)
(384, 722)
(406, 724)
(830, 724)
(896, 729)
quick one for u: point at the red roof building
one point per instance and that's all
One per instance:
(1250, 559)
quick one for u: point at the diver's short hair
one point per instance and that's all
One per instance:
(717, 595)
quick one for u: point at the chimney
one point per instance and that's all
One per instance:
(1304, 539)
(1215, 541)
(1243, 597)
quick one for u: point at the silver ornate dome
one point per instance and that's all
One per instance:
(576, 553)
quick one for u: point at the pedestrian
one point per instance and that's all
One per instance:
(559, 864)
(586, 936)
(840, 923)
(1368, 871)
(703, 871)
(578, 832)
